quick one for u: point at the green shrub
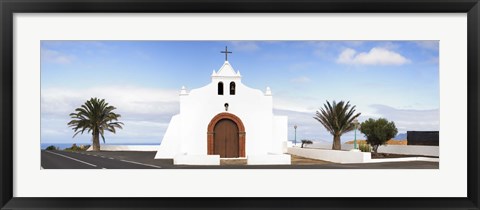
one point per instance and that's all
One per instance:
(378, 132)
(74, 147)
(51, 147)
(365, 147)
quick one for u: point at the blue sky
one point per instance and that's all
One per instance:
(398, 80)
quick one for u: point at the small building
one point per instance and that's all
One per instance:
(225, 119)
(428, 138)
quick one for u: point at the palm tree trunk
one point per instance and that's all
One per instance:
(95, 141)
(336, 143)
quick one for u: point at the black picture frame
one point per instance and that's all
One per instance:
(10, 7)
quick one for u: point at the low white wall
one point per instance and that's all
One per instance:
(317, 145)
(336, 156)
(144, 148)
(410, 150)
(392, 149)
(342, 156)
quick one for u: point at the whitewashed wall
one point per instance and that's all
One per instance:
(252, 107)
(392, 149)
(335, 156)
(280, 134)
(341, 156)
(410, 150)
(170, 148)
(265, 133)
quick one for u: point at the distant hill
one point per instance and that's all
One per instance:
(401, 136)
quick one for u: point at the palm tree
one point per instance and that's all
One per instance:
(305, 142)
(95, 116)
(337, 118)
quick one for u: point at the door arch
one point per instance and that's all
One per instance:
(226, 119)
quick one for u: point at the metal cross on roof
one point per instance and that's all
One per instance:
(226, 53)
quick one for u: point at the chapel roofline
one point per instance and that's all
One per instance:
(226, 71)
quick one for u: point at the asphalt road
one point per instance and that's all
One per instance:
(145, 160)
(87, 160)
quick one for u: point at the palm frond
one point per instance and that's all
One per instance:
(95, 116)
(337, 118)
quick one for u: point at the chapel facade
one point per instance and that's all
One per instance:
(225, 119)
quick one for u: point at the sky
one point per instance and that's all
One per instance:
(396, 80)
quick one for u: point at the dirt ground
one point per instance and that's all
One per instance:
(297, 160)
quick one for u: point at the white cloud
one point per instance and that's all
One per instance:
(328, 49)
(307, 126)
(376, 56)
(354, 43)
(410, 119)
(146, 112)
(57, 57)
(301, 79)
(128, 99)
(294, 103)
(245, 46)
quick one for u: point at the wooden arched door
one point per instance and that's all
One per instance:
(225, 139)
(226, 136)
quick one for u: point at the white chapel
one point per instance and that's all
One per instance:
(225, 119)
